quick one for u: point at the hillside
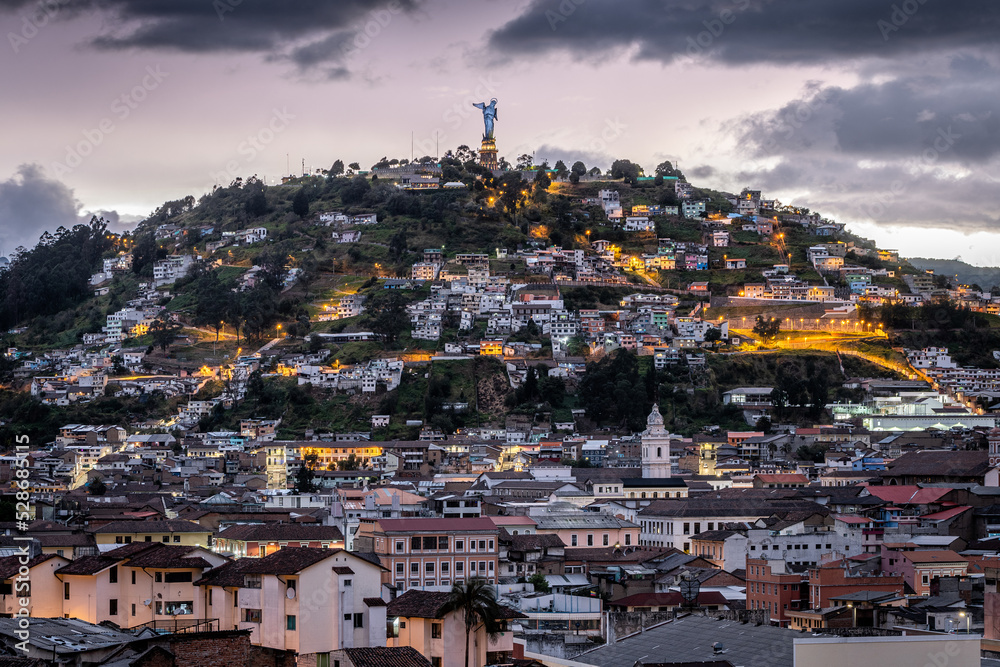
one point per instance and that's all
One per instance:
(987, 277)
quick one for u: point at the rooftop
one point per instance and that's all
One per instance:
(690, 638)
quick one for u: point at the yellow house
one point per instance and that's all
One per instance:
(40, 587)
(137, 584)
(170, 531)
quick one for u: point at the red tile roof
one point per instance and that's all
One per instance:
(933, 556)
(945, 514)
(907, 495)
(479, 525)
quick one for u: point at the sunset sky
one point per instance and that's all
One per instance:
(883, 115)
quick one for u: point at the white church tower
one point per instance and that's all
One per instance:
(655, 447)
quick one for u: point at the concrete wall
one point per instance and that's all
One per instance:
(907, 651)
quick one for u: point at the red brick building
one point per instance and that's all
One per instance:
(835, 578)
(772, 587)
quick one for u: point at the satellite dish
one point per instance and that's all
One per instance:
(290, 593)
(147, 602)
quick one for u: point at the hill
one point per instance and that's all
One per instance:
(987, 277)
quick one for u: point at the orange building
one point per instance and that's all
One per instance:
(773, 587)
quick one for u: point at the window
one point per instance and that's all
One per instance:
(113, 607)
(430, 543)
(414, 544)
(436, 630)
(290, 622)
(400, 546)
(133, 610)
(347, 582)
(459, 568)
(443, 543)
(323, 660)
(166, 538)
(572, 540)
(181, 577)
(251, 615)
(459, 545)
(399, 568)
(590, 539)
(251, 580)
(628, 539)
(149, 538)
(133, 577)
(113, 574)
(65, 590)
(444, 567)
(158, 577)
(491, 545)
(687, 529)
(414, 567)
(359, 620)
(429, 567)
(482, 545)
(605, 539)
(436, 662)
(177, 538)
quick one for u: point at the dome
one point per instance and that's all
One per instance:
(655, 418)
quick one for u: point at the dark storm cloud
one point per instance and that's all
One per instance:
(743, 31)
(955, 113)
(920, 150)
(31, 203)
(308, 33)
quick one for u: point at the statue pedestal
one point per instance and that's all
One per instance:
(488, 154)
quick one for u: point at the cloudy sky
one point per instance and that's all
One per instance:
(883, 115)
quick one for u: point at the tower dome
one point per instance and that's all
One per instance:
(655, 418)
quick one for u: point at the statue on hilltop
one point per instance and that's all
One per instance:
(489, 116)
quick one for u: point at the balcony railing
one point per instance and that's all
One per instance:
(177, 625)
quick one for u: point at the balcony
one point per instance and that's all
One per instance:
(178, 625)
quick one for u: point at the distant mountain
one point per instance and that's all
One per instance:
(984, 276)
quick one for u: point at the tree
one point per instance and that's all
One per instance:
(561, 169)
(97, 487)
(476, 601)
(713, 335)
(540, 583)
(578, 168)
(766, 329)
(386, 312)
(354, 166)
(163, 333)
(350, 463)
(304, 477)
(667, 169)
(300, 203)
(763, 424)
(626, 169)
(524, 161)
(338, 168)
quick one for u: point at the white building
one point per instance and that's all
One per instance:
(655, 446)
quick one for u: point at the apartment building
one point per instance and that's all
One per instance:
(775, 588)
(429, 552)
(312, 601)
(135, 584)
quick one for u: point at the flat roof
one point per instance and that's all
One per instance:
(690, 639)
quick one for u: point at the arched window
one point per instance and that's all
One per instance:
(659, 452)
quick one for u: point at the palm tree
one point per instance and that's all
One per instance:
(476, 600)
